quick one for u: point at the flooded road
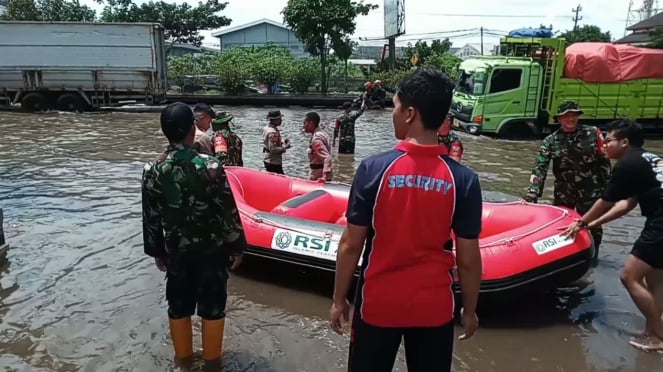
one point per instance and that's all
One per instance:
(80, 295)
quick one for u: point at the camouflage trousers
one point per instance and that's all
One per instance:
(582, 208)
(197, 282)
(346, 145)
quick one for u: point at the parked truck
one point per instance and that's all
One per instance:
(517, 93)
(73, 66)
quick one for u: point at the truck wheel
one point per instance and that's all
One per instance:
(34, 102)
(71, 102)
(515, 131)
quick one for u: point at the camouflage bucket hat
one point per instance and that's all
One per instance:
(568, 106)
(223, 117)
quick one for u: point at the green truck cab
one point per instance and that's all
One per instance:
(516, 93)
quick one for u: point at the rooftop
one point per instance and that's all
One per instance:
(651, 22)
(247, 25)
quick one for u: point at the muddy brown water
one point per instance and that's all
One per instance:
(80, 295)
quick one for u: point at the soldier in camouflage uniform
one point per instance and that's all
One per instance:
(580, 167)
(449, 139)
(192, 228)
(227, 145)
(345, 126)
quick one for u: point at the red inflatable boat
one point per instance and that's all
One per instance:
(301, 221)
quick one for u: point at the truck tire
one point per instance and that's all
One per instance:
(515, 130)
(71, 102)
(34, 102)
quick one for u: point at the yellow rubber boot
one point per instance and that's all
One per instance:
(182, 335)
(212, 331)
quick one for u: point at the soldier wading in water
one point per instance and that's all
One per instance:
(580, 167)
(345, 126)
(192, 228)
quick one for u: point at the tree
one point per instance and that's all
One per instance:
(181, 22)
(48, 10)
(343, 50)
(586, 33)
(425, 51)
(323, 24)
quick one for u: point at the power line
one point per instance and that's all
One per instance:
(491, 15)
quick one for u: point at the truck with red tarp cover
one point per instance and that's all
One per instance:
(517, 92)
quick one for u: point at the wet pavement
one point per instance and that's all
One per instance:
(80, 295)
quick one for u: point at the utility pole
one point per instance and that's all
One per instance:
(392, 53)
(576, 18)
(481, 40)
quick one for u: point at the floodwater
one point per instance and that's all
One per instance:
(80, 295)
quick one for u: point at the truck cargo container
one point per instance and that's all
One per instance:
(517, 93)
(73, 66)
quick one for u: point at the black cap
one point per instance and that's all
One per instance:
(276, 114)
(176, 121)
(347, 105)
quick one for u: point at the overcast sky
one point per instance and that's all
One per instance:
(424, 18)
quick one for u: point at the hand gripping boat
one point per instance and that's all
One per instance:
(301, 222)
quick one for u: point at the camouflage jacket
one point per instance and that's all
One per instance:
(345, 125)
(453, 145)
(188, 206)
(227, 147)
(580, 167)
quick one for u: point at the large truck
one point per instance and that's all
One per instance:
(516, 93)
(72, 66)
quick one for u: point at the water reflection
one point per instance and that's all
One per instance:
(80, 295)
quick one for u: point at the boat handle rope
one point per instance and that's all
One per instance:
(505, 240)
(512, 239)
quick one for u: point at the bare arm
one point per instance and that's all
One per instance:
(468, 261)
(347, 258)
(619, 209)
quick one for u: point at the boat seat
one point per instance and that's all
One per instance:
(317, 205)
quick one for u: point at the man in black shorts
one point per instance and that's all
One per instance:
(637, 178)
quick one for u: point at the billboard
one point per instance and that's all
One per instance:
(394, 16)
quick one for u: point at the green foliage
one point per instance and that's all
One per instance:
(436, 54)
(447, 63)
(181, 22)
(323, 25)
(303, 74)
(421, 48)
(586, 33)
(267, 65)
(270, 69)
(48, 10)
(231, 76)
(391, 78)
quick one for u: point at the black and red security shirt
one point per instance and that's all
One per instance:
(411, 198)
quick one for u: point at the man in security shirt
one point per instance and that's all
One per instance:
(403, 206)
